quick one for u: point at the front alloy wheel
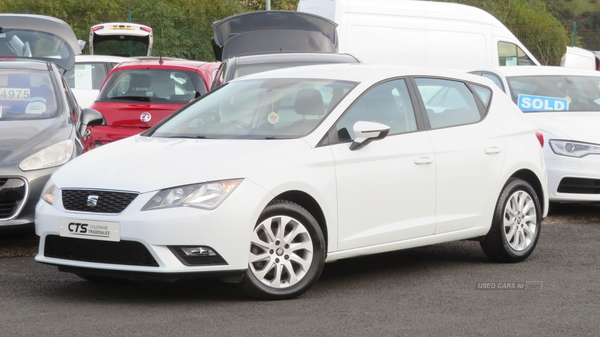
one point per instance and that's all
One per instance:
(286, 252)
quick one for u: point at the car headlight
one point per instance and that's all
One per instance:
(573, 149)
(206, 195)
(48, 192)
(53, 155)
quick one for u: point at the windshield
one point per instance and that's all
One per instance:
(556, 93)
(26, 95)
(258, 109)
(29, 43)
(159, 86)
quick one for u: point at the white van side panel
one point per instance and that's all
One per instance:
(412, 32)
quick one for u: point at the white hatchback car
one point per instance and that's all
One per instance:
(266, 178)
(564, 103)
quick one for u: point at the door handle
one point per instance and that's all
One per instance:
(423, 160)
(492, 150)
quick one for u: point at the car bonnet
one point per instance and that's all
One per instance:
(20, 139)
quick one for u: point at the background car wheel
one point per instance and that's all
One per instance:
(516, 223)
(287, 253)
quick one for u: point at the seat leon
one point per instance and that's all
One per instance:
(265, 179)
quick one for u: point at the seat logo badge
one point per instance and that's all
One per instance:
(92, 201)
(145, 117)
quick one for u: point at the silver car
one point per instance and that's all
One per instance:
(40, 120)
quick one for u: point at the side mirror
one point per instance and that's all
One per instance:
(367, 132)
(90, 117)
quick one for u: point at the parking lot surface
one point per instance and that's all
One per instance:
(437, 290)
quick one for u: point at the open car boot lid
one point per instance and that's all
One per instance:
(266, 32)
(40, 37)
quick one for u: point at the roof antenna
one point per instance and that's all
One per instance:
(160, 60)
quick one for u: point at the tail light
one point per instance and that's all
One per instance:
(540, 138)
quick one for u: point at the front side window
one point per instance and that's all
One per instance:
(448, 102)
(509, 54)
(388, 103)
(258, 109)
(555, 93)
(26, 95)
(152, 86)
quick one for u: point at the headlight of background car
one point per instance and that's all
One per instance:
(207, 195)
(53, 155)
(48, 192)
(573, 149)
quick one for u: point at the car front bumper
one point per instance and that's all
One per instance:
(573, 179)
(158, 235)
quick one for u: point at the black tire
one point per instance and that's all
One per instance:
(274, 248)
(518, 208)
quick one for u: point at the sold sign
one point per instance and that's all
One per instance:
(542, 103)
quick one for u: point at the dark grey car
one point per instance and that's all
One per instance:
(40, 120)
(254, 42)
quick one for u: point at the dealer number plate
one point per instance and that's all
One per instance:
(88, 229)
(14, 94)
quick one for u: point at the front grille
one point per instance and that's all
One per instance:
(123, 252)
(107, 201)
(579, 185)
(12, 196)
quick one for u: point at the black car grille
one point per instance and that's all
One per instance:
(12, 196)
(579, 185)
(123, 252)
(107, 201)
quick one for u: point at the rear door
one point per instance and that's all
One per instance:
(469, 149)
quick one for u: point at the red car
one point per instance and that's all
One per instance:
(138, 94)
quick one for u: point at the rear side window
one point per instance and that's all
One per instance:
(448, 102)
(485, 94)
(86, 76)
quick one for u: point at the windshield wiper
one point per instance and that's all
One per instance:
(133, 98)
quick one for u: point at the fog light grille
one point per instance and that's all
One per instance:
(131, 253)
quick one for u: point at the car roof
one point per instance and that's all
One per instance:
(361, 72)
(155, 63)
(539, 71)
(100, 58)
(296, 57)
(18, 64)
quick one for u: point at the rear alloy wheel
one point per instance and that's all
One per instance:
(287, 252)
(516, 224)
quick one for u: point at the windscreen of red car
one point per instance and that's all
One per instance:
(159, 86)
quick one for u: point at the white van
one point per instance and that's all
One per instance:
(580, 58)
(421, 33)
